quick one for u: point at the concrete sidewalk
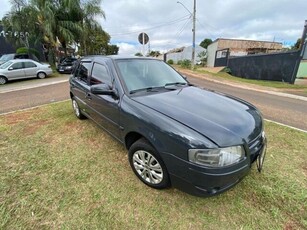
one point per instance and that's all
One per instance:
(301, 81)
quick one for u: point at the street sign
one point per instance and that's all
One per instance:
(143, 38)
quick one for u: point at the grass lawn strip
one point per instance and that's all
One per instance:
(59, 172)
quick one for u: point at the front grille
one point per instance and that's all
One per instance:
(255, 147)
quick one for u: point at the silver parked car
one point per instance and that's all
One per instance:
(23, 68)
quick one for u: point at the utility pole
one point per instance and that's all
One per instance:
(193, 45)
(193, 30)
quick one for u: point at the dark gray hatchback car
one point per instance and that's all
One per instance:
(199, 141)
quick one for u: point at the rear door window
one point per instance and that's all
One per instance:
(29, 65)
(82, 71)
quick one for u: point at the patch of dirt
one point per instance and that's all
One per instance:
(15, 118)
(33, 126)
(305, 170)
(291, 226)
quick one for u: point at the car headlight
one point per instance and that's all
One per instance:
(217, 157)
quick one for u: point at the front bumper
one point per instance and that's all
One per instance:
(64, 70)
(201, 181)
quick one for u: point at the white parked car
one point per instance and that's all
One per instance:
(23, 68)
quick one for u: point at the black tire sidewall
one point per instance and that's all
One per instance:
(142, 144)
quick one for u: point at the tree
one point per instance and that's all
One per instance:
(203, 58)
(112, 50)
(138, 54)
(154, 53)
(296, 46)
(205, 43)
(20, 33)
(90, 10)
(59, 23)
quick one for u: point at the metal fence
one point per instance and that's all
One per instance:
(273, 67)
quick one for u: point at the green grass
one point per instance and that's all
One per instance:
(228, 77)
(273, 84)
(59, 172)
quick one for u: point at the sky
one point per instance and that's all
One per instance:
(169, 24)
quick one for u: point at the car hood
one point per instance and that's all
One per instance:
(224, 120)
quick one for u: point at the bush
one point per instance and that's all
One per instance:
(186, 64)
(25, 50)
(179, 62)
(226, 70)
(170, 61)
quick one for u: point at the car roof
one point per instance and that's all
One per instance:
(114, 57)
(22, 60)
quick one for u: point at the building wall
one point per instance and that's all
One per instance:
(211, 50)
(241, 45)
(5, 47)
(185, 54)
(240, 48)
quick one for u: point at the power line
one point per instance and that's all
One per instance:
(154, 27)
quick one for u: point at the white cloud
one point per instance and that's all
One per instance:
(168, 25)
(126, 48)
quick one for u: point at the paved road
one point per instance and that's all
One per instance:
(30, 93)
(288, 111)
(284, 110)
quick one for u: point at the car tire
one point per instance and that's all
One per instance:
(41, 75)
(148, 165)
(3, 80)
(76, 109)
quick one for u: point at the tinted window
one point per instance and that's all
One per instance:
(29, 65)
(17, 65)
(100, 75)
(83, 71)
(21, 56)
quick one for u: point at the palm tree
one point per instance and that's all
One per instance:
(57, 21)
(90, 9)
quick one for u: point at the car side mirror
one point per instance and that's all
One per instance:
(103, 89)
(11, 68)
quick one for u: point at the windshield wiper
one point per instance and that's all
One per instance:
(148, 89)
(175, 84)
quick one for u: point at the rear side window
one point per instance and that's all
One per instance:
(29, 65)
(82, 71)
(100, 75)
(21, 56)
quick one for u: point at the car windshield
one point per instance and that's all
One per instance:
(147, 74)
(7, 57)
(5, 65)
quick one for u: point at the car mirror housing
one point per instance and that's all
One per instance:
(103, 89)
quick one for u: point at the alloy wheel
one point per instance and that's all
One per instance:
(147, 166)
